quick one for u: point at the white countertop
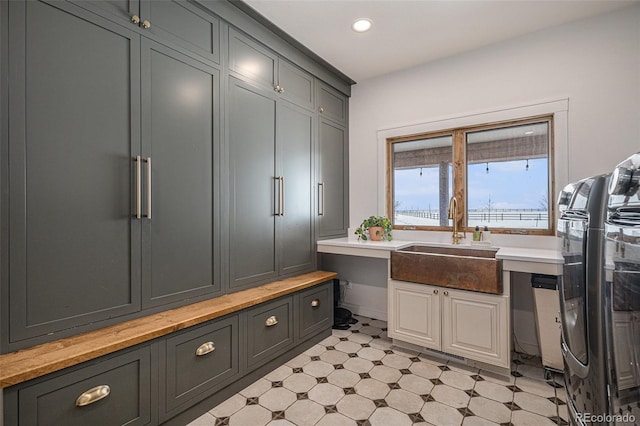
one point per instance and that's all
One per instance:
(519, 259)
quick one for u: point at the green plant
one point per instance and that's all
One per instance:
(375, 221)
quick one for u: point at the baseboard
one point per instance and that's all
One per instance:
(365, 311)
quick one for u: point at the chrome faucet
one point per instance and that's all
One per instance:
(453, 214)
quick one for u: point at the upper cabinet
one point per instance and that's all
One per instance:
(177, 22)
(253, 62)
(332, 104)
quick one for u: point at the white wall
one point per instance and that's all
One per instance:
(595, 63)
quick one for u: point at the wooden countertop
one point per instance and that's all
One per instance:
(27, 364)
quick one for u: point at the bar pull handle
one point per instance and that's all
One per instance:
(271, 321)
(205, 348)
(281, 195)
(138, 187)
(321, 196)
(148, 161)
(93, 395)
(315, 303)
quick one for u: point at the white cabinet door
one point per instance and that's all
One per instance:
(475, 326)
(414, 313)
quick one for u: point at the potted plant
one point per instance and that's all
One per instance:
(377, 227)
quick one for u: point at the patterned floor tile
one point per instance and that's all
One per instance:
(304, 412)
(372, 389)
(404, 401)
(457, 380)
(489, 409)
(450, 396)
(356, 407)
(386, 416)
(300, 382)
(357, 377)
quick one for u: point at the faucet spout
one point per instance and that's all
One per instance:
(453, 214)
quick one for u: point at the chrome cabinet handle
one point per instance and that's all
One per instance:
(271, 321)
(135, 19)
(93, 395)
(315, 303)
(435, 291)
(138, 187)
(321, 199)
(205, 348)
(148, 161)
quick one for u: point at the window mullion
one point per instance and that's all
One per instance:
(459, 175)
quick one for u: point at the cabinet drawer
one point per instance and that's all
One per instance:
(200, 361)
(316, 309)
(331, 103)
(128, 378)
(270, 330)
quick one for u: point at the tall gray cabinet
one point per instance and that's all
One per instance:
(156, 153)
(270, 138)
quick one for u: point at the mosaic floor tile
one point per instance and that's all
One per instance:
(357, 377)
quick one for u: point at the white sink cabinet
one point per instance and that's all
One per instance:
(465, 323)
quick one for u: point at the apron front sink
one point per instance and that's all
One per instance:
(454, 267)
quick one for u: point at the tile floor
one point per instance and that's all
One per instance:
(357, 377)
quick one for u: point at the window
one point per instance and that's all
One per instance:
(500, 173)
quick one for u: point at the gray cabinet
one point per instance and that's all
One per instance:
(97, 232)
(175, 22)
(315, 310)
(270, 186)
(180, 127)
(332, 104)
(270, 330)
(73, 250)
(250, 61)
(197, 363)
(117, 391)
(332, 179)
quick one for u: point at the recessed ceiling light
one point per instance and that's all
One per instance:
(361, 25)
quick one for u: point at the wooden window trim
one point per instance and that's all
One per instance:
(459, 162)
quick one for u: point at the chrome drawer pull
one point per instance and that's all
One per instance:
(315, 303)
(205, 348)
(93, 395)
(271, 321)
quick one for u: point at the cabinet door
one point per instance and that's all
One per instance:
(252, 61)
(295, 223)
(333, 180)
(179, 133)
(73, 108)
(332, 104)
(414, 313)
(315, 310)
(295, 85)
(252, 185)
(476, 326)
(185, 25)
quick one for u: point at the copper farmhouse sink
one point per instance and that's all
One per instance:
(454, 267)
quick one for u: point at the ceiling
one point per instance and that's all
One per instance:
(408, 33)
